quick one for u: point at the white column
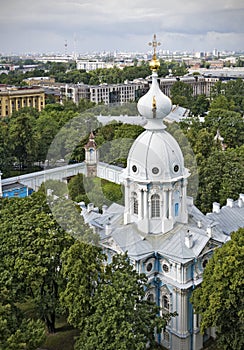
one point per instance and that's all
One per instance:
(165, 204)
(184, 216)
(145, 199)
(140, 204)
(127, 204)
(170, 204)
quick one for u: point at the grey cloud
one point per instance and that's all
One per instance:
(111, 22)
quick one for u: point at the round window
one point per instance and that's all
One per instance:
(165, 268)
(134, 168)
(155, 170)
(149, 267)
(176, 168)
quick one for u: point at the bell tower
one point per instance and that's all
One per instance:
(91, 156)
(155, 177)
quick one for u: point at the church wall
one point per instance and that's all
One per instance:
(178, 343)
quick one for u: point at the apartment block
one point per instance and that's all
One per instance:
(90, 65)
(103, 93)
(200, 85)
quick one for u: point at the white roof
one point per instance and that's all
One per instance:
(154, 104)
(155, 156)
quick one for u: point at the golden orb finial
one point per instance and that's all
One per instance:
(154, 63)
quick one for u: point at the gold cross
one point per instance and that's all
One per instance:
(154, 44)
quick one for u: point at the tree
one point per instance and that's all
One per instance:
(200, 105)
(82, 267)
(30, 254)
(220, 299)
(229, 123)
(122, 317)
(16, 331)
(6, 159)
(45, 129)
(181, 94)
(220, 177)
(21, 135)
(76, 186)
(219, 102)
(233, 91)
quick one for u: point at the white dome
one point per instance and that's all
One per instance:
(155, 156)
(154, 104)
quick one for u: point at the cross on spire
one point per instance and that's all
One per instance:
(154, 44)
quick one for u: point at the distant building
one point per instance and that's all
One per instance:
(104, 93)
(216, 64)
(117, 93)
(90, 65)
(14, 98)
(198, 83)
(38, 80)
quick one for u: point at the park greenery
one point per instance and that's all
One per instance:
(67, 73)
(58, 273)
(27, 135)
(42, 257)
(219, 299)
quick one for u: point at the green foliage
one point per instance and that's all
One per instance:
(94, 190)
(181, 94)
(112, 192)
(82, 267)
(229, 123)
(76, 187)
(232, 91)
(21, 135)
(107, 303)
(5, 155)
(16, 331)
(220, 177)
(30, 254)
(220, 298)
(200, 105)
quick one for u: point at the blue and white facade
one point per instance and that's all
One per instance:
(164, 234)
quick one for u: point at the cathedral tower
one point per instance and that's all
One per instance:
(155, 177)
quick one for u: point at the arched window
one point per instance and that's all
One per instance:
(165, 302)
(155, 202)
(135, 203)
(150, 297)
(176, 209)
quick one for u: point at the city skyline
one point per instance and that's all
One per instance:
(86, 26)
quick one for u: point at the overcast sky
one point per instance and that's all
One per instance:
(127, 25)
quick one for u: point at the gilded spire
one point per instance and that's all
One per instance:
(154, 63)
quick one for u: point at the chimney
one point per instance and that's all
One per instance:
(241, 200)
(108, 228)
(199, 223)
(189, 239)
(230, 202)
(210, 231)
(216, 207)
(90, 207)
(104, 209)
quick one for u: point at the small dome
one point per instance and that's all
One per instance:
(154, 104)
(155, 156)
